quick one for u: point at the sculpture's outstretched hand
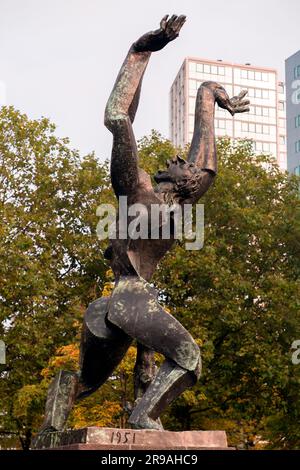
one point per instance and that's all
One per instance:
(236, 104)
(158, 39)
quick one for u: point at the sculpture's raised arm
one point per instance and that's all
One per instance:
(186, 181)
(123, 102)
(202, 151)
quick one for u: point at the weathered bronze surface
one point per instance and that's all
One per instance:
(132, 311)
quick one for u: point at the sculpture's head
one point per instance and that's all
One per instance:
(178, 170)
(178, 177)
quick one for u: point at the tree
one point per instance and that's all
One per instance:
(51, 261)
(239, 296)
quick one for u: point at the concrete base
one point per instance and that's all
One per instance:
(95, 438)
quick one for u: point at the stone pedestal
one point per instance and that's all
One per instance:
(95, 438)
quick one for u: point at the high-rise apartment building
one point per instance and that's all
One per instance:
(265, 124)
(292, 76)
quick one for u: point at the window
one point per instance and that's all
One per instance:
(282, 157)
(282, 139)
(256, 93)
(297, 146)
(281, 106)
(297, 71)
(280, 88)
(297, 171)
(206, 68)
(214, 69)
(192, 102)
(266, 130)
(297, 121)
(199, 67)
(265, 94)
(259, 128)
(193, 84)
(220, 123)
(265, 112)
(252, 75)
(257, 75)
(282, 123)
(221, 70)
(272, 112)
(245, 126)
(265, 76)
(251, 127)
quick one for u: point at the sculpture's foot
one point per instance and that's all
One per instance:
(42, 432)
(144, 422)
(170, 381)
(47, 430)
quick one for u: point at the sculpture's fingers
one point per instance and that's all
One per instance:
(244, 102)
(242, 94)
(163, 22)
(242, 109)
(178, 23)
(170, 23)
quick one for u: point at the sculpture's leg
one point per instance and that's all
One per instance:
(134, 309)
(144, 373)
(60, 399)
(102, 348)
(144, 370)
(170, 381)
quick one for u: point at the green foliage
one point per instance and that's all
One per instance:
(51, 262)
(238, 296)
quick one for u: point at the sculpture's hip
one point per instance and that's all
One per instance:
(134, 308)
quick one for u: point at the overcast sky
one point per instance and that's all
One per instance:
(59, 58)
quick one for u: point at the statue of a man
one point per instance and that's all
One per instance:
(132, 312)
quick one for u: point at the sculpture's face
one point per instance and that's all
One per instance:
(177, 170)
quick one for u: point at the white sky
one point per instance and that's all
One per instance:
(59, 58)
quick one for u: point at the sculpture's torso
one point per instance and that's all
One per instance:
(140, 256)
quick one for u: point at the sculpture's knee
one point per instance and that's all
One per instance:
(192, 359)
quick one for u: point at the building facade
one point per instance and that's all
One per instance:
(292, 75)
(265, 124)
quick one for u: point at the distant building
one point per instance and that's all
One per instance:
(265, 124)
(292, 77)
(2, 93)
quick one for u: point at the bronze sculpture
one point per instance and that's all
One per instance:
(132, 311)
